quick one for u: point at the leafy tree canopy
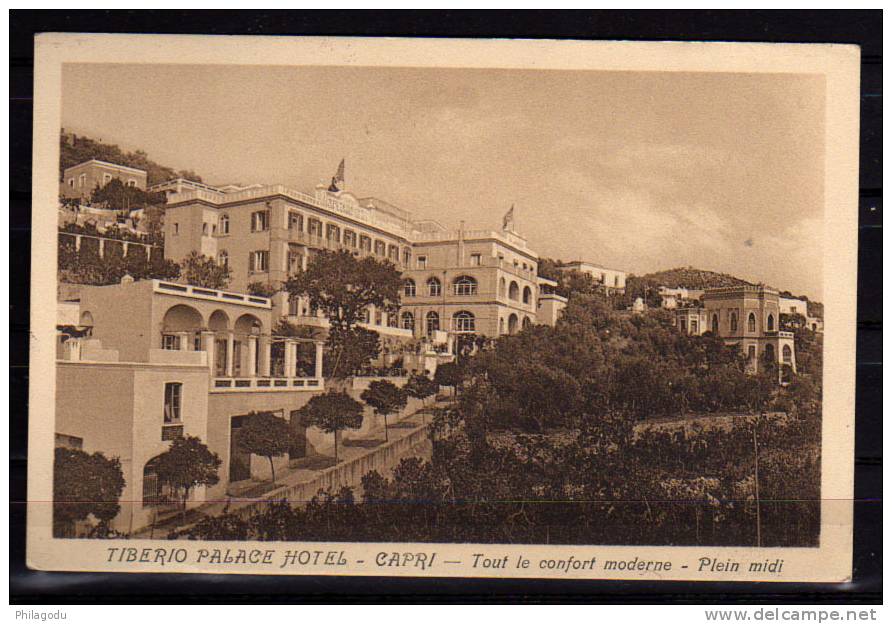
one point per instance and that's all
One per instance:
(343, 286)
(332, 412)
(384, 396)
(85, 484)
(421, 386)
(188, 463)
(202, 271)
(116, 196)
(267, 435)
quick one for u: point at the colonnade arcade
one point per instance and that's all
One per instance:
(240, 347)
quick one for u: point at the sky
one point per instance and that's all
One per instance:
(639, 171)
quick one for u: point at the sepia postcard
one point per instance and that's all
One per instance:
(417, 307)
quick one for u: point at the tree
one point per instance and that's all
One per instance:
(85, 484)
(420, 386)
(153, 223)
(448, 374)
(353, 350)
(202, 271)
(385, 398)
(332, 412)
(343, 287)
(262, 289)
(188, 463)
(116, 196)
(266, 435)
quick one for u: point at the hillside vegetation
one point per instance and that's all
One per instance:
(689, 277)
(77, 148)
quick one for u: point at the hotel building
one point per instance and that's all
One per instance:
(613, 280)
(80, 180)
(176, 360)
(748, 316)
(185, 360)
(456, 283)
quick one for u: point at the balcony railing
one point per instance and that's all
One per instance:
(266, 384)
(452, 235)
(187, 290)
(322, 322)
(489, 262)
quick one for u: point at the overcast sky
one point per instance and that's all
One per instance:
(637, 171)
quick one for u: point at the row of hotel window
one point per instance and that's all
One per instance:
(462, 321)
(466, 285)
(750, 323)
(260, 223)
(350, 239)
(106, 178)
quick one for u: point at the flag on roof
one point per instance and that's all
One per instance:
(508, 219)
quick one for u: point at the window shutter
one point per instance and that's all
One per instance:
(250, 260)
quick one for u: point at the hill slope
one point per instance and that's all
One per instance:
(689, 277)
(77, 149)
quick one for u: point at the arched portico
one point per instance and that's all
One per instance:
(250, 347)
(180, 328)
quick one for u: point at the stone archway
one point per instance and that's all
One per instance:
(512, 324)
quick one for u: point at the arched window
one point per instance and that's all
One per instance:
(715, 324)
(512, 324)
(514, 291)
(432, 322)
(734, 321)
(769, 353)
(501, 326)
(502, 287)
(409, 288)
(224, 224)
(433, 287)
(788, 355)
(223, 259)
(465, 285)
(527, 295)
(527, 322)
(408, 321)
(751, 323)
(463, 322)
(770, 323)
